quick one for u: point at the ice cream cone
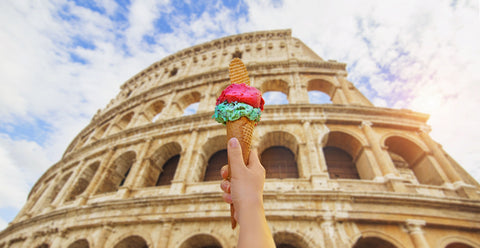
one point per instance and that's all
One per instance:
(242, 129)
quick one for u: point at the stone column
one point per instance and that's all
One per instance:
(137, 168)
(164, 235)
(69, 184)
(207, 100)
(178, 183)
(414, 229)
(345, 90)
(384, 162)
(97, 178)
(42, 200)
(439, 156)
(383, 159)
(101, 236)
(338, 96)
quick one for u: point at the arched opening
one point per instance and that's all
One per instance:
(154, 111)
(289, 240)
(168, 171)
(214, 157)
(345, 157)
(201, 241)
(279, 162)
(320, 91)
(278, 154)
(163, 164)
(318, 97)
(275, 98)
(43, 246)
(188, 103)
(403, 168)
(82, 243)
(215, 163)
(458, 245)
(99, 132)
(191, 109)
(83, 180)
(340, 164)
(119, 172)
(56, 189)
(373, 242)
(125, 120)
(132, 242)
(415, 158)
(275, 92)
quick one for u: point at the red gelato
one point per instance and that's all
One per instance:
(242, 93)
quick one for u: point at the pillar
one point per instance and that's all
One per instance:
(207, 100)
(101, 236)
(69, 184)
(97, 178)
(439, 156)
(134, 178)
(178, 182)
(383, 159)
(346, 90)
(414, 229)
(384, 162)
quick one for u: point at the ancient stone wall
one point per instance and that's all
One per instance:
(362, 176)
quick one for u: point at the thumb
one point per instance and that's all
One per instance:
(235, 159)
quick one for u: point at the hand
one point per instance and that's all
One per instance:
(245, 188)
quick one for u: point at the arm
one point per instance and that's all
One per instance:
(245, 191)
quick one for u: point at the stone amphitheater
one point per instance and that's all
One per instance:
(340, 173)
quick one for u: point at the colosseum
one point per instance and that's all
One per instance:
(340, 173)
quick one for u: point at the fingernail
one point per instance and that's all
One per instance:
(233, 142)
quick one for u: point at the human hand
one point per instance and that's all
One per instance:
(245, 188)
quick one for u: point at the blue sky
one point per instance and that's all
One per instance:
(63, 60)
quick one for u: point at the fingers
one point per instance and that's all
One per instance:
(225, 186)
(227, 198)
(224, 172)
(235, 155)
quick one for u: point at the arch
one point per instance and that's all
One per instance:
(345, 157)
(189, 102)
(100, 131)
(275, 91)
(457, 242)
(81, 243)
(215, 163)
(279, 162)
(132, 241)
(415, 157)
(373, 242)
(125, 120)
(320, 91)
(375, 239)
(162, 165)
(57, 188)
(44, 245)
(201, 241)
(153, 111)
(83, 181)
(118, 172)
(458, 245)
(214, 153)
(279, 154)
(289, 240)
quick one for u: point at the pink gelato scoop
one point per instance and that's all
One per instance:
(242, 93)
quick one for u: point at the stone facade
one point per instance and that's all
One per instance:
(401, 189)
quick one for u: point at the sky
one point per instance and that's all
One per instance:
(61, 61)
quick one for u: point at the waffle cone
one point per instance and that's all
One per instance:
(242, 129)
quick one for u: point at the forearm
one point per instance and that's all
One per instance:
(254, 230)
